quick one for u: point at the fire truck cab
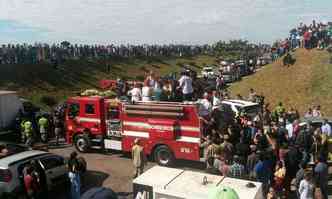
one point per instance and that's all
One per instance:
(167, 130)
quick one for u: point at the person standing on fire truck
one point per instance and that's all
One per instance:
(205, 109)
(138, 157)
(185, 83)
(136, 93)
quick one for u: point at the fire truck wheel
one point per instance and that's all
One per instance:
(82, 144)
(163, 156)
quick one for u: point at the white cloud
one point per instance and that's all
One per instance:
(141, 21)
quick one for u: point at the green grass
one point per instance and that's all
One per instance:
(35, 81)
(308, 82)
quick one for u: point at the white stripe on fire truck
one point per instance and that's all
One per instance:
(161, 127)
(149, 126)
(190, 128)
(88, 119)
(137, 124)
(189, 139)
(136, 134)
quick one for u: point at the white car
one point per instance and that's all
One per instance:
(12, 165)
(208, 72)
(238, 106)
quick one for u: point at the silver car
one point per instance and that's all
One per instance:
(12, 165)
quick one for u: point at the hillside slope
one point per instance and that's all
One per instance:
(36, 80)
(308, 82)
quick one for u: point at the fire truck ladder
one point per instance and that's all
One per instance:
(154, 109)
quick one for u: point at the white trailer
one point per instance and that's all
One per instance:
(169, 183)
(10, 104)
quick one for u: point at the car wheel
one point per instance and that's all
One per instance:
(163, 156)
(82, 144)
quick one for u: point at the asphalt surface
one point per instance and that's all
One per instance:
(115, 171)
(112, 170)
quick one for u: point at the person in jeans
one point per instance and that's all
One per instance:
(73, 174)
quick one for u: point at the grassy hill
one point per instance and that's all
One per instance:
(308, 82)
(35, 81)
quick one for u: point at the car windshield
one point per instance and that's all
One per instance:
(10, 149)
(207, 70)
(254, 109)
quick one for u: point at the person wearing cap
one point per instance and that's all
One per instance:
(138, 158)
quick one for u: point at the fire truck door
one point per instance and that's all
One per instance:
(72, 111)
(90, 117)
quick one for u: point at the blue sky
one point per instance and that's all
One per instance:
(154, 21)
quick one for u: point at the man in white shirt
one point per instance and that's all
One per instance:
(326, 128)
(185, 82)
(136, 93)
(216, 102)
(289, 127)
(205, 106)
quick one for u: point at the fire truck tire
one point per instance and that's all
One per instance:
(163, 156)
(82, 144)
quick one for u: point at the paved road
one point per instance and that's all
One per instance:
(115, 170)
(110, 170)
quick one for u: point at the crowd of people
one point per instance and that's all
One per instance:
(315, 35)
(59, 52)
(41, 53)
(273, 148)
(157, 89)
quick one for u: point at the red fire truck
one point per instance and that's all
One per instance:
(167, 130)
